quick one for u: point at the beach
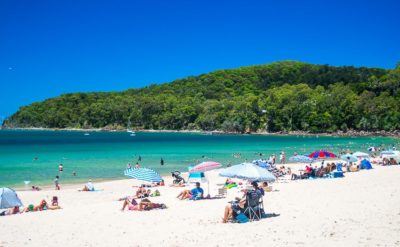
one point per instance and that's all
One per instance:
(361, 209)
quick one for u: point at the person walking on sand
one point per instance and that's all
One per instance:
(57, 183)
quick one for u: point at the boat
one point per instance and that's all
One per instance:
(129, 130)
(86, 134)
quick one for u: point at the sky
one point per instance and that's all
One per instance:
(48, 48)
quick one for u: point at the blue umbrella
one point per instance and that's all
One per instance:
(248, 171)
(349, 157)
(8, 198)
(301, 159)
(144, 174)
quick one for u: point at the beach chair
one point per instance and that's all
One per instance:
(222, 192)
(253, 206)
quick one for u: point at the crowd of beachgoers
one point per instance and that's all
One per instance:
(247, 207)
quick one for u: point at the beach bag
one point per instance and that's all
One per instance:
(242, 218)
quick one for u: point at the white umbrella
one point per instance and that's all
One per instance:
(248, 171)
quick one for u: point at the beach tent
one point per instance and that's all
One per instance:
(365, 164)
(9, 198)
(248, 171)
(143, 174)
(322, 154)
(197, 177)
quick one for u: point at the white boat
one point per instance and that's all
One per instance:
(129, 130)
(86, 134)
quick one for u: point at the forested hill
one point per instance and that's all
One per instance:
(282, 96)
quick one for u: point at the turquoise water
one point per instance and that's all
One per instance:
(104, 155)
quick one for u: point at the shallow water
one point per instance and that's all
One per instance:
(104, 155)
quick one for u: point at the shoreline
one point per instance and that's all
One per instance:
(350, 133)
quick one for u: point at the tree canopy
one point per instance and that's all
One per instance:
(281, 96)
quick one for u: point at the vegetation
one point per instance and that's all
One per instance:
(282, 96)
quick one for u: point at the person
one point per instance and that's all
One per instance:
(140, 158)
(162, 161)
(35, 188)
(239, 206)
(264, 186)
(11, 211)
(281, 158)
(74, 173)
(45, 206)
(60, 168)
(196, 193)
(145, 204)
(137, 166)
(57, 183)
(88, 186)
(142, 192)
(128, 166)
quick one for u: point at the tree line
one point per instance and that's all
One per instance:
(282, 96)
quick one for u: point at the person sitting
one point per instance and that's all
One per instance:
(249, 199)
(54, 201)
(196, 193)
(11, 211)
(88, 186)
(234, 208)
(142, 192)
(264, 186)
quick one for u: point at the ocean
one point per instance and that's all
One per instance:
(31, 155)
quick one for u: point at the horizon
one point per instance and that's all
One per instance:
(58, 48)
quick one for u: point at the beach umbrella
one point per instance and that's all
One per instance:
(9, 199)
(361, 155)
(349, 158)
(205, 166)
(301, 159)
(248, 171)
(143, 174)
(322, 154)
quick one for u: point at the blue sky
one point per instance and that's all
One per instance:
(52, 47)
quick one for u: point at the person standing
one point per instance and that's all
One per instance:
(162, 161)
(57, 183)
(60, 167)
(140, 158)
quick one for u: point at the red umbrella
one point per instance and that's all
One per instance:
(322, 154)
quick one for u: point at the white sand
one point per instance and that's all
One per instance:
(362, 209)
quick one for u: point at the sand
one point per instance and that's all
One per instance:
(362, 209)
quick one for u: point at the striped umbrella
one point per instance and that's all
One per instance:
(322, 154)
(144, 174)
(301, 159)
(205, 166)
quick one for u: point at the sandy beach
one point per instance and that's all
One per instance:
(361, 209)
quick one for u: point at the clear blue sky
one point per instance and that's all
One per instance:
(52, 47)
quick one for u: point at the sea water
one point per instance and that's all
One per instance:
(35, 155)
